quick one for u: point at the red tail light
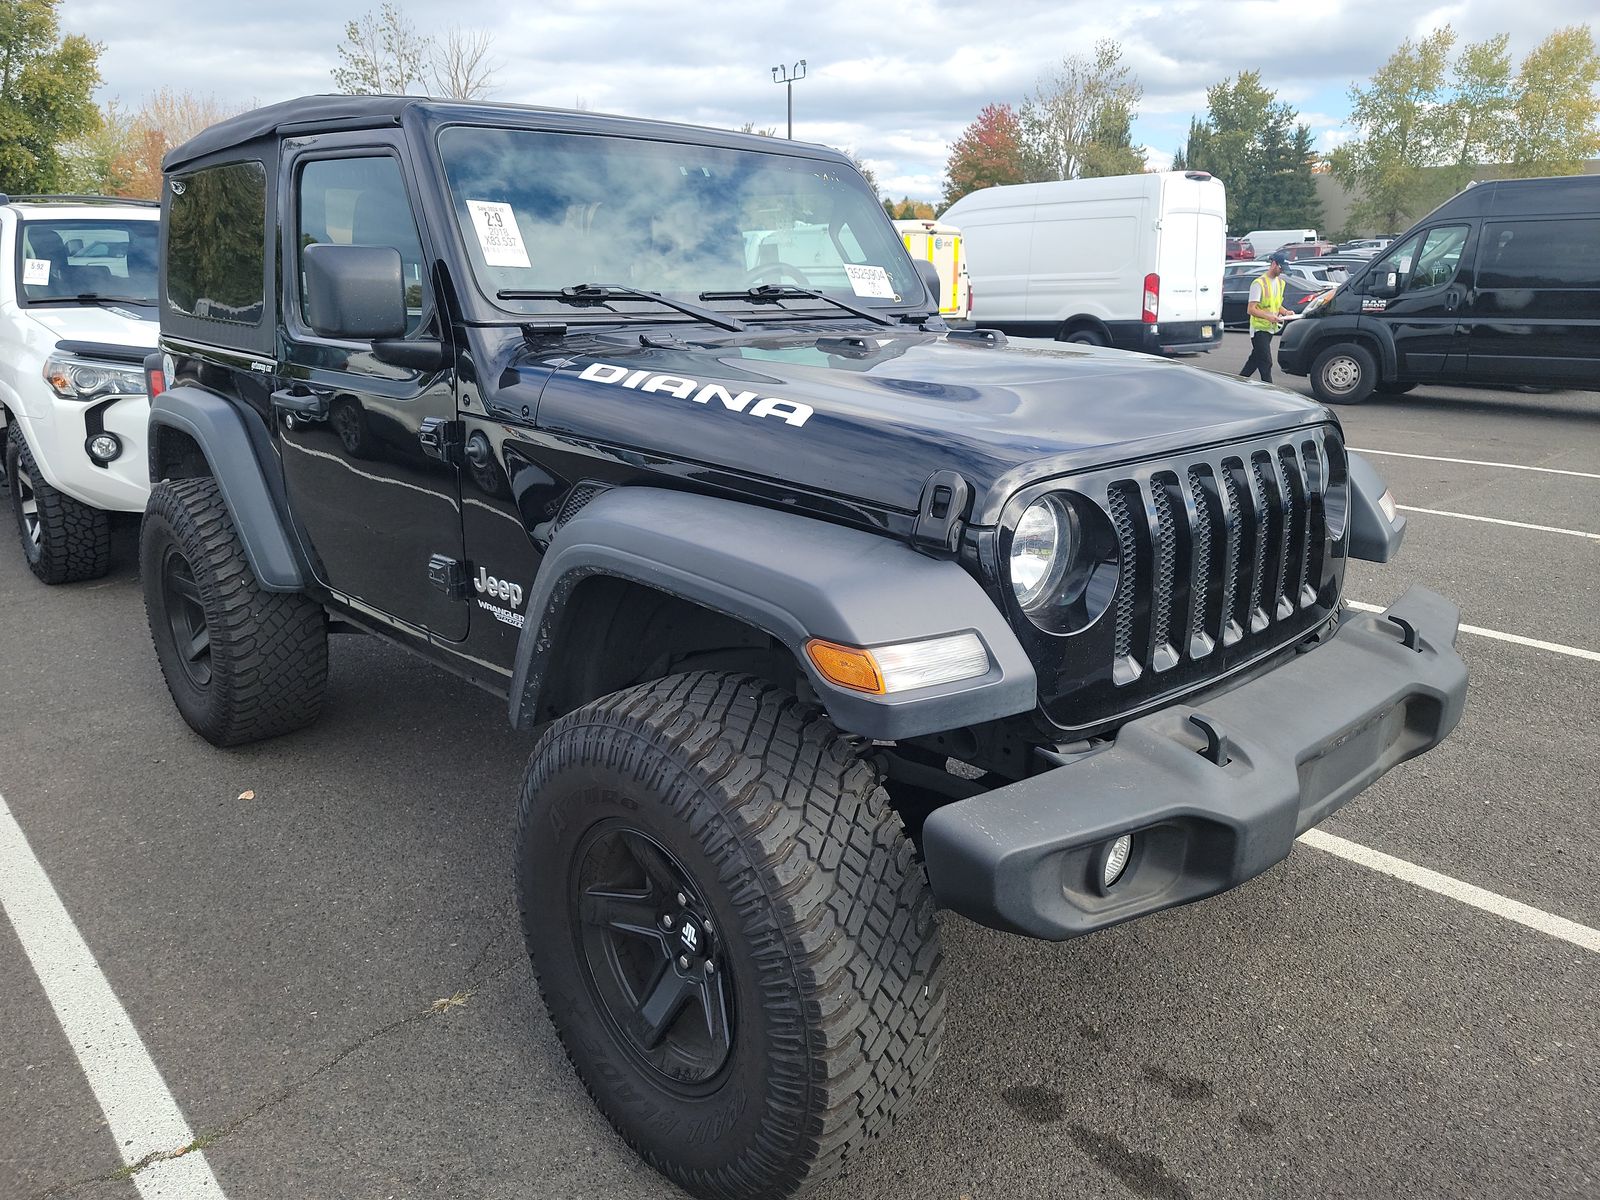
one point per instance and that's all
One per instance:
(155, 377)
(1152, 298)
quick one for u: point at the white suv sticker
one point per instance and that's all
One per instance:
(683, 388)
(35, 271)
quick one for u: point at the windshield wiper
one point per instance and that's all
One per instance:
(96, 298)
(771, 293)
(596, 293)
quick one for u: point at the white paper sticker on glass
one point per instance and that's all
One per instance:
(870, 281)
(35, 271)
(496, 225)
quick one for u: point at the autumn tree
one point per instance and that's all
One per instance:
(123, 156)
(987, 154)
(1251, 141)
(1405, 126)
(1556, 116)
(1078, 122)
(46, 81)
(382, 54)
(1481, 110)
(462, 66)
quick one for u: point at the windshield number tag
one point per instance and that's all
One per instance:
(35, 271)
(498, 235)
(870, 281)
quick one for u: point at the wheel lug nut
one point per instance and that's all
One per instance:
(682, 899)
(711, 967)
(666, 920)
(706, 925)
(683, 962)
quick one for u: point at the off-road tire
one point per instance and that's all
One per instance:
(74, 538)
(267, 657)
(1344, 373)
(829, 929)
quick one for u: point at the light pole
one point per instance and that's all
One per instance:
(789, 76)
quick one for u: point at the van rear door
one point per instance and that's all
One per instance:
(1191, 248)
(1535, 306)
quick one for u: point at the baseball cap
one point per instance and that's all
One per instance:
(1279, 257)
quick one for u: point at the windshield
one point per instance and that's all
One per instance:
(544, 211)
(62, 259)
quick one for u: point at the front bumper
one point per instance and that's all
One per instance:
(1299, 741)
(1291, 348)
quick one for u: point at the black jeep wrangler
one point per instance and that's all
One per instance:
(826, 616)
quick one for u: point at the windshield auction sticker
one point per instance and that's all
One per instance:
(35, 271)
(869, 281)
(496, 226)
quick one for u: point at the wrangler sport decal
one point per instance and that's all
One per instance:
(792, 411)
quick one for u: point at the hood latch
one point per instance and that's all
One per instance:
(944, 502)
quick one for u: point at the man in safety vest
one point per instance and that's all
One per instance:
(1266, 314)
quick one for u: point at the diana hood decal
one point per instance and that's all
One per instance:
(747, 403)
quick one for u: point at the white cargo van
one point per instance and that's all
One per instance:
(941, 245)
(1265, 241)
(1133, 261)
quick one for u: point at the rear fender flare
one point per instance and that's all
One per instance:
(793, 577)
(219, 429)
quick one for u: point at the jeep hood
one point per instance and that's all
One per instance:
(887, 408)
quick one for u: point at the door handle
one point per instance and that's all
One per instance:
(306, 405)
(1452, 300)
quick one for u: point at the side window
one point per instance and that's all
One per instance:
(1398, 260)
(216, 243)
(1438, 259)
(361, 202)
(1541, 254)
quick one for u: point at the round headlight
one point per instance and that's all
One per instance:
(1041, 549)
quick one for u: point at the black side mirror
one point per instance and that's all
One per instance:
(1385, 286)
(356, 293)
(930, 280)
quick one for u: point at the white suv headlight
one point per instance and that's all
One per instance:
(74, 378)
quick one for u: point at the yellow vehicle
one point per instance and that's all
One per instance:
(941, 245)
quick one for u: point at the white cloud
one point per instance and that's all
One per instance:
(897, 86)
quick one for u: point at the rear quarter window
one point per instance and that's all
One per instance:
(216, 243)
(1541, 254)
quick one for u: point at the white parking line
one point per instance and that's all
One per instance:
(1466, 893)
(1497, 635)
(1439, 512)
(142, 1115)
(1478, 462)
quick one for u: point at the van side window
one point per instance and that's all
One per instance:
(216, 243)
(1440, 255)
(1541, 254)
(361, 202)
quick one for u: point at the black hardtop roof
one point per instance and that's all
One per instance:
(1546, 196)
(357, 112)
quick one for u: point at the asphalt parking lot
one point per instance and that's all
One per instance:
(314, 938)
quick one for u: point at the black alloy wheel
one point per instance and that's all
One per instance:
(186, 617)
(652, 956)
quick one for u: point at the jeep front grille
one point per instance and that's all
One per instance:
(1231, 554)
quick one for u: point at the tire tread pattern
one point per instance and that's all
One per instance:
(825, 881)
(269, 650)
(74, 537)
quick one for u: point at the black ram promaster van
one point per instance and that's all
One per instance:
(1500, 284)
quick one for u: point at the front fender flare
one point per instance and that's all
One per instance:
(793, 577)
(218, 428)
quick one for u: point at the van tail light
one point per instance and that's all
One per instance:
(1152, 298)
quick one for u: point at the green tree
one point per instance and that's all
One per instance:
(1481, 108)
(382, 54)
(1556, 111)
(1077, 123)
(1406, 125)
(987, 154)
(1250, 140)
(45, 85)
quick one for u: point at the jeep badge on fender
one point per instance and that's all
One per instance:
(589, 350)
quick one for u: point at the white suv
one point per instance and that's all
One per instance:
(77, 318)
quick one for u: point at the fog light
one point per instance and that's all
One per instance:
(103, 448)
(1114, 861)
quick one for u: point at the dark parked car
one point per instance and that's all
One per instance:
(1236, 280)
(754, 545)
(1500, 284)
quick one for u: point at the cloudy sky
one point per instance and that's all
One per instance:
(895, 83)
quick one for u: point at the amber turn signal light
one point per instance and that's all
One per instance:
(847, 666)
